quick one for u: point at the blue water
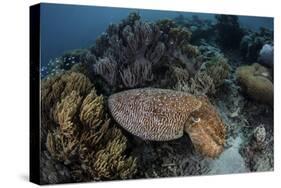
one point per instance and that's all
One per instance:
(65, 27)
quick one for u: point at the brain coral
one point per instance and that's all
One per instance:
(161, 114)
(256, 81)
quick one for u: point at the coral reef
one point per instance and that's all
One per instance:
(252, 43)
(67, 61)
(210, 77)
(229, 32)
(218, 69)
(179, 43)
(178, 47)
(53, 90)
(258, 149)
(202, 84)
(198, 93)
(162, 115)
(256, 82)
(266, 55)
(201, 28)
(177, 75)
(53, 172)
(165, 25)
(209, 51)
(132, 51)
(260, 135)
(79, 123)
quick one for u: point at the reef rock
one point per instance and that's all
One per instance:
(266, 55)
(161, 115)
(256, 82)
(252, 43)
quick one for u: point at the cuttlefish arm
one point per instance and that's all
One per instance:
(206, 130)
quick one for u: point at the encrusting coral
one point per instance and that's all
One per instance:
(256, 82)
(165, 114)
(81, 135)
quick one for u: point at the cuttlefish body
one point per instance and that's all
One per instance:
(162, 114)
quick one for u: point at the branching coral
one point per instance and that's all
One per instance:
(132, 51)
(177, 75)
(81, 135)
(91, 110)
(110, 162)
(179, 36)
(256, 82)
(65, 111)
(218, 69)
(178, 43)
(137, 74)
(54, 89)
(62, 147)
(107, 68)
(205, 82)
(200, 84)
(178, 47)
